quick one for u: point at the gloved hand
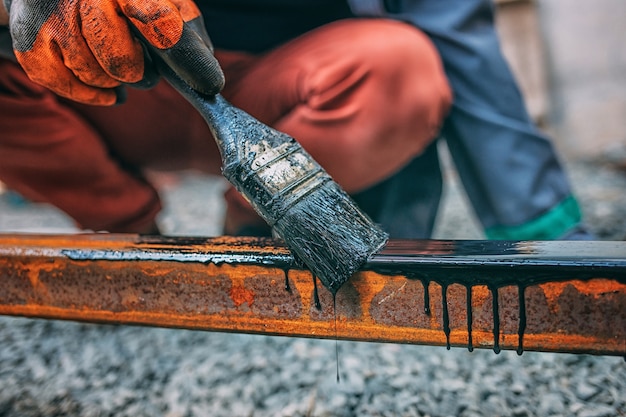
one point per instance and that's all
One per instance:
(85, 49)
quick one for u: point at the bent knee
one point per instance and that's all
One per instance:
(395, 49)
(401, 71)
(379, 101)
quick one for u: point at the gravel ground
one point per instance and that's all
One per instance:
(55, 368)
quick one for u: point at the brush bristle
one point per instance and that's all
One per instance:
(330, 234)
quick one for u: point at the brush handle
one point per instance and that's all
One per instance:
(269, 167)
(215, 110)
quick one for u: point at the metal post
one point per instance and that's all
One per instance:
(551, 296)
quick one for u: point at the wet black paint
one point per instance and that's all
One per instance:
(426, 284)
(287, 286)
(445, 314)
(336, 341)
(496, 318)
(316, 295)
(470, 344)
(494, 264)
(497, 264)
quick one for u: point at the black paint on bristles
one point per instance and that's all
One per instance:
(330, 234)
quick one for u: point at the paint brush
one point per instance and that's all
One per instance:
(316, 218)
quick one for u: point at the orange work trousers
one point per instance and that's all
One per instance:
(363, 96)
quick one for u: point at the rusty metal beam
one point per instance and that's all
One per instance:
(551, 296)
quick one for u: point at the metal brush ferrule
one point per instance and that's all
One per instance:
(275, 178)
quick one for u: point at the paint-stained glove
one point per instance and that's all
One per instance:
(85, 49)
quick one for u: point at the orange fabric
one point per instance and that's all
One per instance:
(86, 47)
(159, 22)
(364, 97)
(49, 153)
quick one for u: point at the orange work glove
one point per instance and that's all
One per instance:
(85, 49)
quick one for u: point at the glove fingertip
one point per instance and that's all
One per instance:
(210, 79)
(200, 69)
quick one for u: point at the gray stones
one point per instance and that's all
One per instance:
(56, 368)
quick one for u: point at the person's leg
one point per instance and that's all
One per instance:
(156, 129)
(407, 203)
(50, 154)
(510, 169)
(363, 96)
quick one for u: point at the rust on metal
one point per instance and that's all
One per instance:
(540, 296)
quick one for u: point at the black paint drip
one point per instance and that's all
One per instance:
(316, 296)
(426, 284)
(445, 314)
(287, 286)
(470, 345)
(496, 319)
(336, 336)
(495, 264)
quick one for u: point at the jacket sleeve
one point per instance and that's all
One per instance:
(510, 170)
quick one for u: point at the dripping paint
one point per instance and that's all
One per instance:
(494, 264)
(505, 263)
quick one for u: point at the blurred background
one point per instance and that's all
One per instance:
(570, 59)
